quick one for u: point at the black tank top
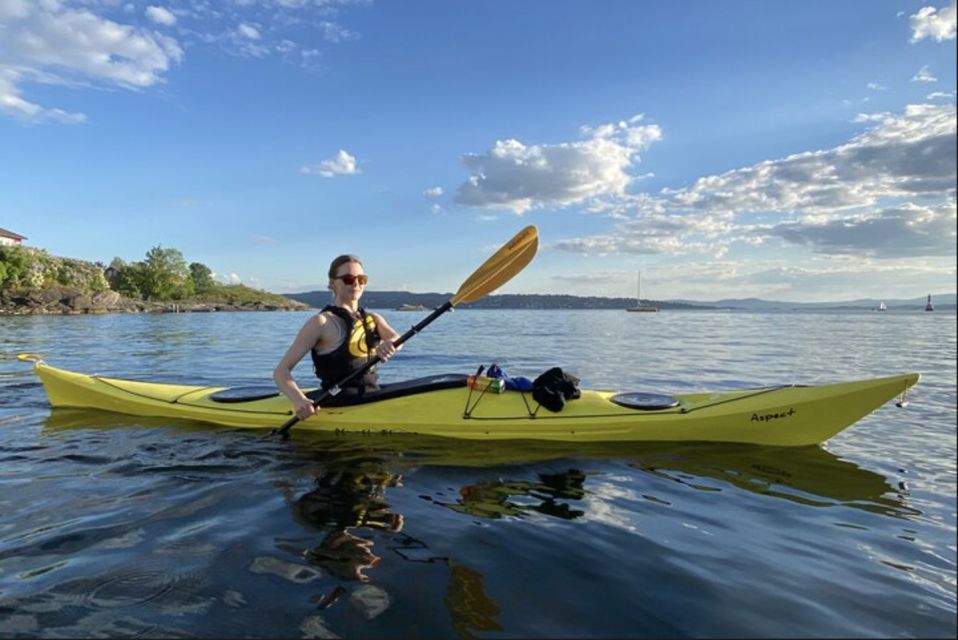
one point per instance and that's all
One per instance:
(352, 354)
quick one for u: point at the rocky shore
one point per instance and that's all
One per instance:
(72, 301)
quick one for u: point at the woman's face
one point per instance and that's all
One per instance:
(348, 286)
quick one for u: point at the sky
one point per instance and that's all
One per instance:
(800, 151)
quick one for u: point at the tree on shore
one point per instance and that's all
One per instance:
(162, 275)
(14, 265)
(202, 277)
(165, 275)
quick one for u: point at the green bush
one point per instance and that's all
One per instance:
(239, 294)
(163, 275)
(202, 277)
(15, 262)
(31, 268)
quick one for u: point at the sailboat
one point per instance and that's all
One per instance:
(928, 306)
(882, 306)
(638, 299)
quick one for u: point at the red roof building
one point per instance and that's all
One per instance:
(9, 237)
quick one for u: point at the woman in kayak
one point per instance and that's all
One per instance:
(341, 339)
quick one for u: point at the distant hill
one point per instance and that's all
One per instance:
(945, 301)
(393, 299)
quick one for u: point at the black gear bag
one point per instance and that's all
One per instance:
(554, 387)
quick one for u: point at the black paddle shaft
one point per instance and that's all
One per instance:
(336, 388)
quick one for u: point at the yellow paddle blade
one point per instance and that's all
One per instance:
(500, 268)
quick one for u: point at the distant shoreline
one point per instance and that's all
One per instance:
(397, 299)
(71, 301)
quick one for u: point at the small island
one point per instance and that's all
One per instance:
(33, 282)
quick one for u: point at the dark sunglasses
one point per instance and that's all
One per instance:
(349, 279)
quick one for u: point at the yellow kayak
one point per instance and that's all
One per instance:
(445, 406)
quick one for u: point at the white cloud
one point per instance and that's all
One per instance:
(161, 15)
(819, 278)
(248, 31)
(262, 28)
(857, 198)
(342, 165)
(334, 32)
(933, 23)
(908, 230)
(432, 192)
(874, 86)
(940, 95)
(47, 42)
(228, 278)
(517, 177)
(904, 154)
(73, 43)
(12, 103)
(924, 75)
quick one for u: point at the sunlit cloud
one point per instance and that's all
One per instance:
(51, 43)
(816, 279)
(86, 44)
(924, 75)
(161, 15)
(933, 23)
(248, 31)
(909, 230)
(228, 278)
(342, 165)
(518, 177)
(887, 192)
(334, 32)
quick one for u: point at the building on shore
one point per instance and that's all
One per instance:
(9, 238)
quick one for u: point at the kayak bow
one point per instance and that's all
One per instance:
(444, 406)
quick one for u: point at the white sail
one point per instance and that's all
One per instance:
(638, 296)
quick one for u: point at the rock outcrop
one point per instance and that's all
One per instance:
(73, 301)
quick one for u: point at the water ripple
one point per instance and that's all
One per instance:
(118, 526)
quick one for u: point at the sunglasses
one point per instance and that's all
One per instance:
(349, 279)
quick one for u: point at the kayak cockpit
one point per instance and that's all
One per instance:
(385, 392)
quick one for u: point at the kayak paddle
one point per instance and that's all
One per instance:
(504, 264)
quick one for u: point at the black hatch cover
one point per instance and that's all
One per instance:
(645, 401)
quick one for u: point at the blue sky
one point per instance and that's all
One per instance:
(785, 150)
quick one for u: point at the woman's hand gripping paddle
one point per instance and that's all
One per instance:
(499, 269)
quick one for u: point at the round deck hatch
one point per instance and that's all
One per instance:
(645, 401)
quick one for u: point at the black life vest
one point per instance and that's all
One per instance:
(352, 354)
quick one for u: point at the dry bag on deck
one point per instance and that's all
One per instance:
(554, 387)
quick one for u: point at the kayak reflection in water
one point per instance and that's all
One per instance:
(491, 499)
(344, 499)
(344, 555)
(341, 339)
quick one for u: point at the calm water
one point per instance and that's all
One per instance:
(121, 526)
